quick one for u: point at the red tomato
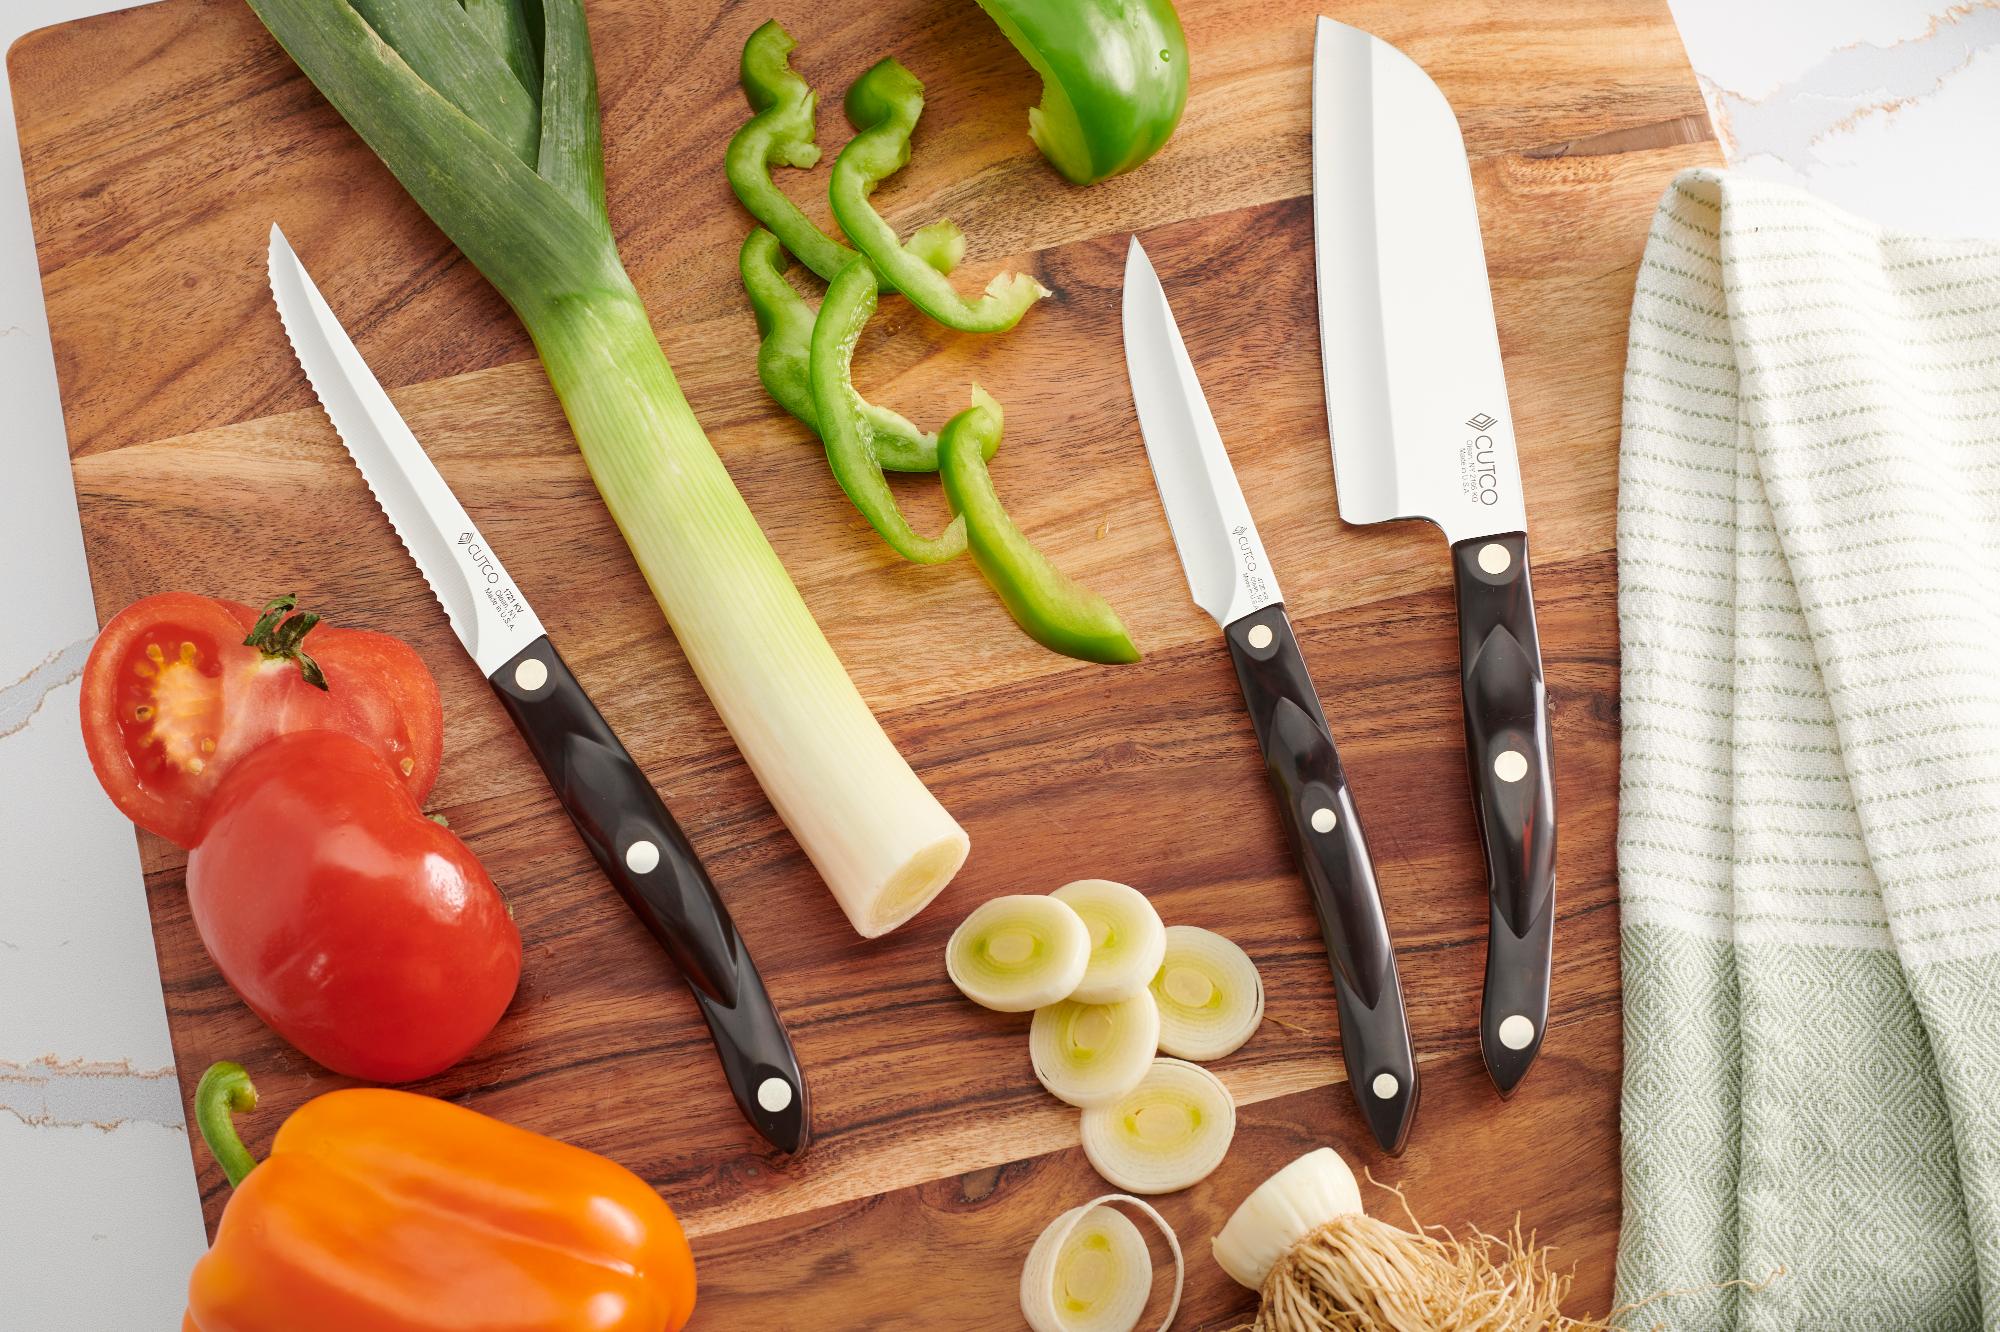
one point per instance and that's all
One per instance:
(359, 930)
(173, 697)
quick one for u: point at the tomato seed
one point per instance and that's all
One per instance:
(144, 712)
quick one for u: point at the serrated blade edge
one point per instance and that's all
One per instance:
(487, 611)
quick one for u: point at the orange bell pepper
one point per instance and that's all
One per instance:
(384, 1211)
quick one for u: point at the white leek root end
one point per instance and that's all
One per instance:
(1017, 953)
(1168, 1133)
(1090, 1272)
(1127, 939)
(1090, 1054)
(1319, 1262)
(1210, 996)
(1283, 1210)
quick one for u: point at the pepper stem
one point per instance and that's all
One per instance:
(225, 1091)
(280, 632)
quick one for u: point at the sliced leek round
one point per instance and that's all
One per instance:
(1283, 1210)
(1089, 1054)
(1126, 938)
(1018, 952)
(1090, 1270)
(1164, 1135)
(1210, 996)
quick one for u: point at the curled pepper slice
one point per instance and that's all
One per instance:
(785, 322)
(884, 105)
(1057, 611)
(781, 132)
(1114, 79)
(850, 300)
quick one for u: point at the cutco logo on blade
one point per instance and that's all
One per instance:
(1254, 584)
(1478, 477)
(479, 559)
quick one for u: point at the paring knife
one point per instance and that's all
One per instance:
(1416, 401)
(615, 809)
(1232, 580)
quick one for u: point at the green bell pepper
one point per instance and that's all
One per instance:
(850, 300)
(785, 323)
(781, 132)
(1056, 610)
(1114, 79)
(884, 105)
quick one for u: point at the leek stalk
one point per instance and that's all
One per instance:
(440, 93)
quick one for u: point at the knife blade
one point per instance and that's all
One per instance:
(1416, 400)
(614, 808)
(1230, 577)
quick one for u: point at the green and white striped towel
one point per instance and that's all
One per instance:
(1809, 844)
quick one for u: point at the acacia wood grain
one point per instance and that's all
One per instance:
(160, 143)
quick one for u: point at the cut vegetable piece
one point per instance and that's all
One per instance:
(785, 323)
(1127, 940)
(1114, 79)
(850, 300)
(1056, 611)
(1283, 1210)
(1210, 996)
(1017, 953)
(1166, 1134)
(1091, 1054)
(884, 105)
(779, 133)
(1090, 1270)
(538, 233)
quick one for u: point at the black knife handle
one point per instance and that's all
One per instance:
(647, 857)
(1325, 832)
(1513, 787)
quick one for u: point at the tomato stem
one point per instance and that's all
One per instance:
(280, 632)
(224, 1092)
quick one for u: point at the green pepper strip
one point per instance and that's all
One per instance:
(224, 1092)
(1056, 610)
(781, 131)
(884, 105)
(785, 322)
(850, 300)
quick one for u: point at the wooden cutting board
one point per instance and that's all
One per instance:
(161, 143)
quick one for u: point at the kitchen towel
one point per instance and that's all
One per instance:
(1809, 837)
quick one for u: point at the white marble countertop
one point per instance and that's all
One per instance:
(1888, 107)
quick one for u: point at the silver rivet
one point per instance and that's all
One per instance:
(642, 857)
(531, 674)
(1260, 636)
(1510, 765)
(774, 1094)
(1517, 1032)
(1324, 819)
(1385, 1086)
(1494, 558)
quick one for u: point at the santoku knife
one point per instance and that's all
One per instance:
(619, 815)
(1231, 579)
(1416, 402)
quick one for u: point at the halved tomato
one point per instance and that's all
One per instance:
(174, 695)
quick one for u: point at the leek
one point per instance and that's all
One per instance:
(487, 114)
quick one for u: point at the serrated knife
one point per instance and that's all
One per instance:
(617, 813)
(1416, 401)
(1231, 579)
